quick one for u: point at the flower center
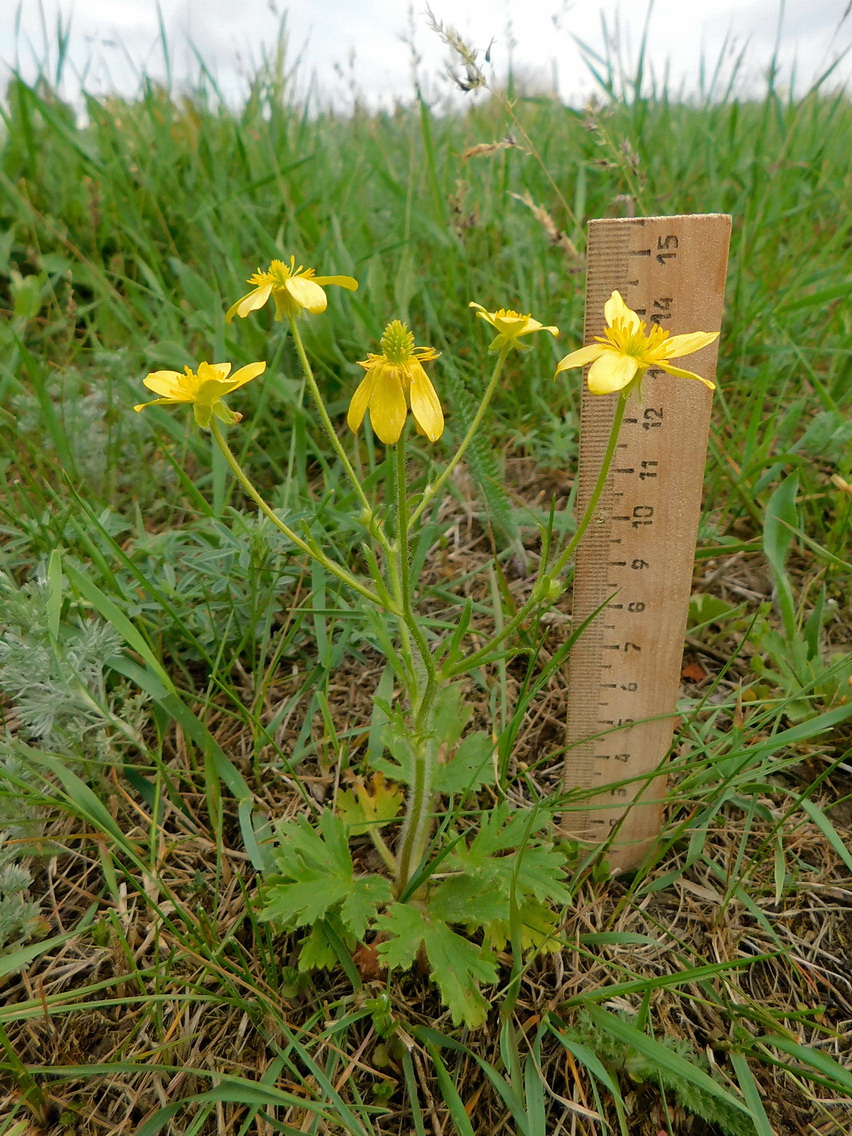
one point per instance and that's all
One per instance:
(638, 343)
(397, 343)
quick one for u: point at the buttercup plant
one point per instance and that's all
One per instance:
(505, 880)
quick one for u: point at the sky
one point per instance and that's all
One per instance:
(348, 49)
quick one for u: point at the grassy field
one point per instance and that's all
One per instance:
(175, 678)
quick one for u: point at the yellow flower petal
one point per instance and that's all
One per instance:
(204, 389)
(685, 344)
(210, 391)
(154, 402)
(360, 402)
(511, 326)
(234, 308)
(616, 309)
(425, 405)
(394, 379)
(250, 302)
(681, 374)
(218, 371)
(387, 406)
(167, 383)
(341, 281)
(307, 294)
(611, 372)
(580, 357)
(629, 347)
(245, 375)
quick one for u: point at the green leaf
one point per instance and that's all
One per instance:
(315, 876)
(704, 609)
(463, 899)
(366, 895)
(539, 926)
(594, 1065)
(457, 965)
(751, 1092)
(779, 531)
(381, 698)
(17, 960)
(506, 853)
(468, 768)
(451, 714)
(454, 1103)
(300, 904)
(317, 951)
(399, 744)
(814, 1062)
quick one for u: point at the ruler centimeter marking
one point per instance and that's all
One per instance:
(636, 559)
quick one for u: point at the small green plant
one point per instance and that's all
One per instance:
(660, 1063)
(451, 893)
(56, 671)
(20, 916)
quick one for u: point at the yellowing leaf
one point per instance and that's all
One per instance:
(369, 805)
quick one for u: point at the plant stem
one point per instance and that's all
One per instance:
(418, 815)
(404, 566)
(398, 566)
(468, 438)
(415, 830)
(540, 589)
(332, 433)
(315, 553)
(609, 454)
(291, 457)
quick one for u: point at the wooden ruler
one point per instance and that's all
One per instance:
(636, 558)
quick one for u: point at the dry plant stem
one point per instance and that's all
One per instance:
(539, 592)
(468, 438)
(315, 553)
(332, 433)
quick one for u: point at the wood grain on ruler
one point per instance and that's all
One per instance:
(637, 555)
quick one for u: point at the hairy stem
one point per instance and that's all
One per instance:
(415, 829)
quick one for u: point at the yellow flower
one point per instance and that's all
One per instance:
(627, 349)
(205, 389)
(395, 380)
(292, 289)
(511, 326)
